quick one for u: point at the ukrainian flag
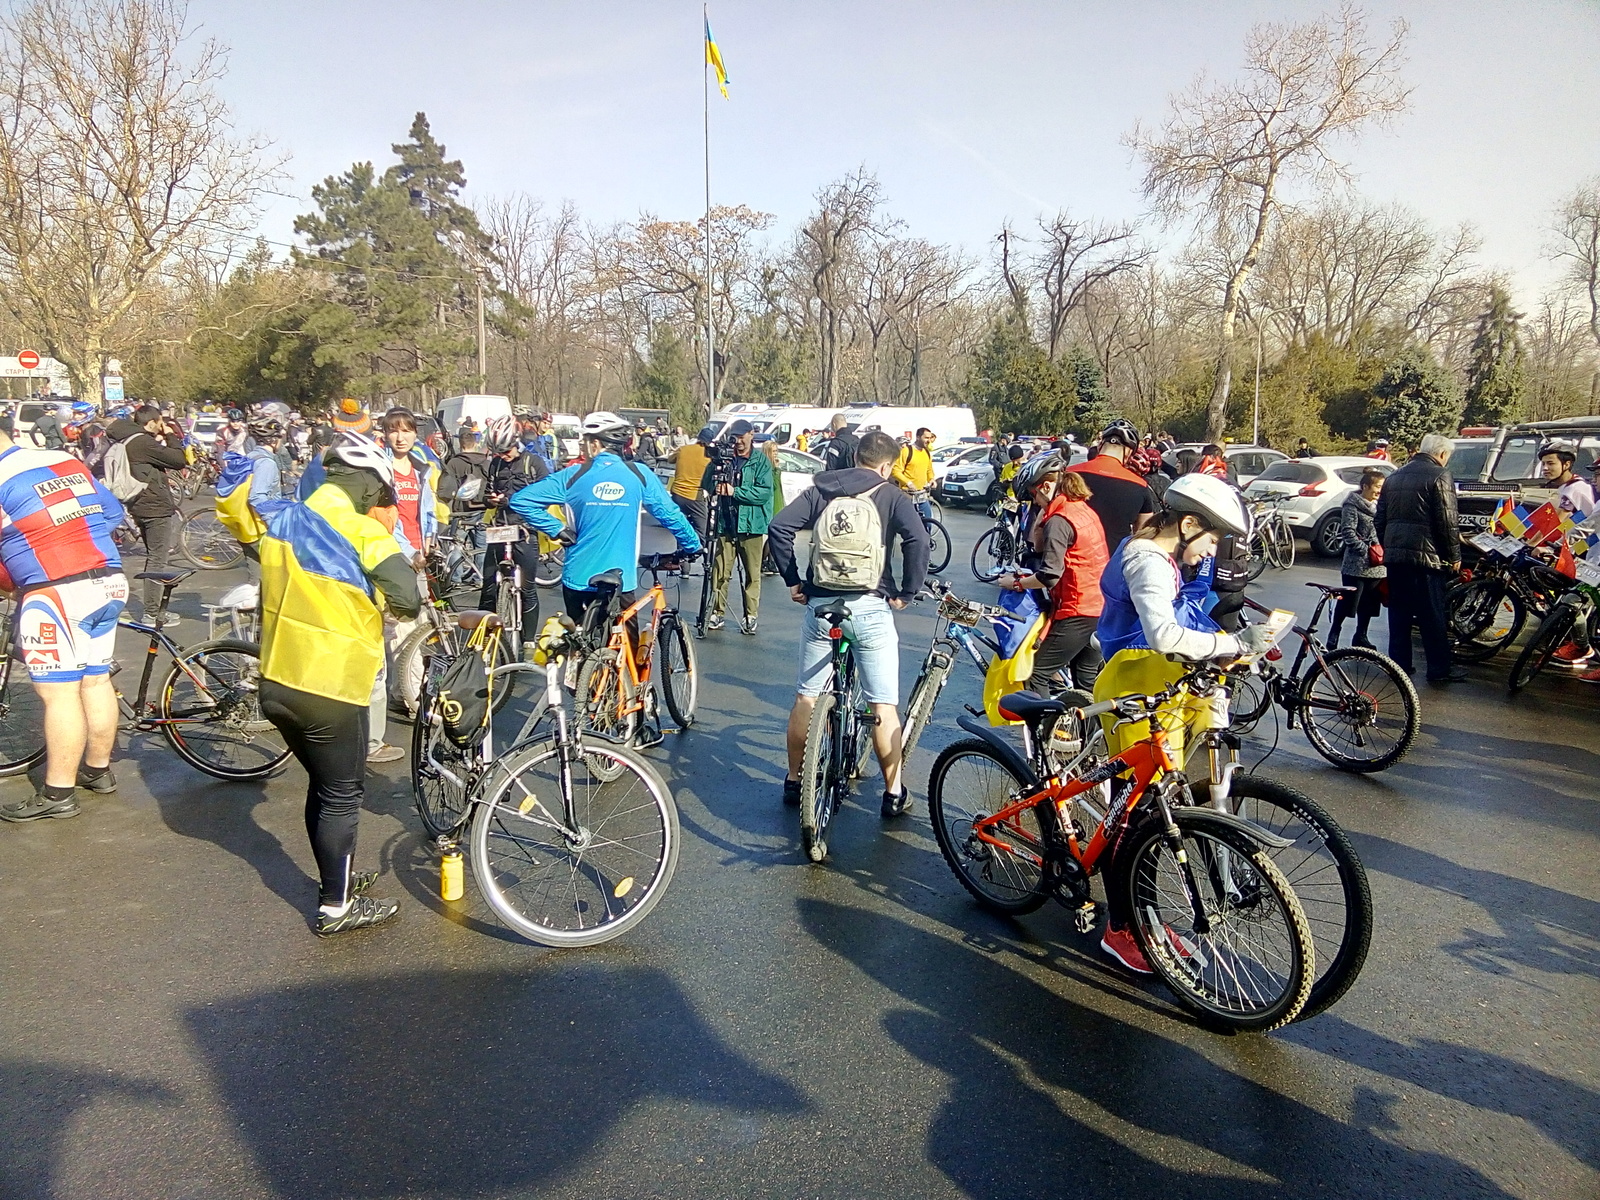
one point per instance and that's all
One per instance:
(714, 60)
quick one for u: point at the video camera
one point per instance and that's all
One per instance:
(726, 466)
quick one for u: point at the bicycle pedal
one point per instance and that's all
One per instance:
(1086, 916)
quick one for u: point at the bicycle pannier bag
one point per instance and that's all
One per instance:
(847, 552)
(463, 692)
(118, 473)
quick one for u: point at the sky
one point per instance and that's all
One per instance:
(971, 114)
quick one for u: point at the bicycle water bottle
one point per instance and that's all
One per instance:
(452, 880)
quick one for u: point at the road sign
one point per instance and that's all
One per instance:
(113, 389)
(27, 359)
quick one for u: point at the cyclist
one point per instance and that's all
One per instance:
(511, 468)
(1378, 448)
(604, 496)
(1574, 496)
(1067, 553)
(871, 626)
(1120, 497)
(913, 471)
(58, 556)
(328, 572)
(1149, 614)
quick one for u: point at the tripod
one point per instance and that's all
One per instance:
(721, 516)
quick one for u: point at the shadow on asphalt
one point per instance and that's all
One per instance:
(462, 1083)
(1003, 1040)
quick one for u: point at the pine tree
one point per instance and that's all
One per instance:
(1414, 396)
(1091, 406)
(662, 381)
(1495, 378)
(1014, 385)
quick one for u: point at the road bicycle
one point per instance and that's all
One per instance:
(572, 842)
(616, 696)
(1358, 709)
(208, 706)
(1488, 607)
(1571, 618)
(938, 535)
(208, 543)
(1215, 917)
(188, 483)
(1271, 538)
(838, 738)
(999, 548)
(507, 573)
(455, 575)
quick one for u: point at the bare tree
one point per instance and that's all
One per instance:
(827, 251)
(117, 159)
(1577, 240)
(1231, 148)
(1074, 257)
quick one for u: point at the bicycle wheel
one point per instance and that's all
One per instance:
(207, 543)
(508, 607)
(441, 771)
(410, 660)
(819, 778)
(1327, 877)
(968, 781)
(1249, 695)
(936, 511)
(1553, 633)
(1259, 554)
(575, 886)
(21, 717)
(939, 553)
(993, 552)
(210, 712)
(600, 704)
(1359, 710)
(1282, 544)
(924, 695)
(1247, 965)
(550, 567)
(1485, 618)
(678, 671)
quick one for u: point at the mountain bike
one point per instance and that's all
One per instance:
(572, 842)
(954, 633)
(938, 535)
(507, 572)
(1488, 608)
(1213, 914)
(188, 483)
(840, 720)
(1571, 618)
(208, 543)
(1358, 709)
(208, 706)
(999, 548)
(1271, 538)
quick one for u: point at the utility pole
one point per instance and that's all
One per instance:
(711, 325)
(483, 367)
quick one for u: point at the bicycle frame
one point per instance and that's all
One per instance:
(140, 711)
(631, 698)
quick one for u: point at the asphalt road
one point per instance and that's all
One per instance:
(172, 1029)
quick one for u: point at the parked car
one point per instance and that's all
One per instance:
(1513, 468)
(1247, 461)
(205, 427)
(1469, 461)
(1315, 487)
(956, 454)
(964, 483)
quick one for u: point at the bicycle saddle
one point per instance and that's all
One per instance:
(610, 581)
(1332, 591)
(167, 577)
(834, 613)
(474, 617)
(1029, 706)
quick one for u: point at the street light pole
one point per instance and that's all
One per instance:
(1255, 419)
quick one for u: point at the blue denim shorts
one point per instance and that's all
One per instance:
(877, 648)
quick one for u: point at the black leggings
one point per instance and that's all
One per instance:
(526, 555)
(1069, 646)
(329, 737)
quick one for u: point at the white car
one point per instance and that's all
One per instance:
(954, 455)
(1247, 461)
(205, 428)
(1315, 489)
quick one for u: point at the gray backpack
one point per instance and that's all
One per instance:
(118, 473)
(847, 552)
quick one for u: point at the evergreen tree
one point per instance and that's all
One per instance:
(771, 366)
(1014, 385)
(662, 380)
(1414, 396)
(1091, 405)
(1495, 377)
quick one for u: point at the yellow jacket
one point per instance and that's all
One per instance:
(913, 470)
(321, 613)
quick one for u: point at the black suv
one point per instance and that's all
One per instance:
(1512, 468)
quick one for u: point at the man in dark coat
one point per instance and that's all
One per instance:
(1416, 521)
(154, 447)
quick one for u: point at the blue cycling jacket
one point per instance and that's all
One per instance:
(603, 499)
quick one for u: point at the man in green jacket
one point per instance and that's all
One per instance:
(741, 512)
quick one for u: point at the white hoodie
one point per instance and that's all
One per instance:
(1153, 582)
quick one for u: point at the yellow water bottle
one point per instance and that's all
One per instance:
(452, 881)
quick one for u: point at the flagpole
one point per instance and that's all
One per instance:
(711, 328)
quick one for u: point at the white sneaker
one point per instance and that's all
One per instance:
(383, 752)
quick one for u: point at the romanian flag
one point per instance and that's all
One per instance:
(714, 60)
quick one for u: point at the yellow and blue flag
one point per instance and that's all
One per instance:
(714, 60)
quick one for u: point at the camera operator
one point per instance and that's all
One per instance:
(740, 485)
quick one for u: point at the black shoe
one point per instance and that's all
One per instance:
(37, 807)
(896, 806)
(648, 736)
(1458, 675)
(1363, 643)
(104, 782)
(363, 911)
(362, 881)
(791, 792)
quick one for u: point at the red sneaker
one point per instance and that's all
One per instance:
(1121, 945)
(1591, 676)
(1570, 655)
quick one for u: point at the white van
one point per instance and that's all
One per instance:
(482, 410)
(569, 435)
(949, 423)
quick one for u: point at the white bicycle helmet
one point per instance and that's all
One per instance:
(500, 435)
(606, 427)
(358, 450)
(1036, 468)
(1210, 499)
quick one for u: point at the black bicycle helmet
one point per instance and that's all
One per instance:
(265, 428)
(1035, 469)
(1122, 432)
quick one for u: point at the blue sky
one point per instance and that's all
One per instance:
(971, 114)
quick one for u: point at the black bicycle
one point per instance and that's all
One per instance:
(999, 548)
(938, 535)
(840, 718)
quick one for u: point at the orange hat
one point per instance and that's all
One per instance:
(352, 415)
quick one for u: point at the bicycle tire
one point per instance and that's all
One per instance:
(919, 708)
(208, 543)
(1249, 697)
(566, 892)
(1327, 877)
(994, 547)
(548, 573)
(679, 669)
(1485, 617)
(225, 712)
(1551, 635)
(442, 803)
(599, 704)
(939, 546)
(1352, 691)
(1283, 548)
(1203, 970)
(508, 607)
(1258, 556)
(407, 672)
(819, 785)
(1002, 882)
(22, 745)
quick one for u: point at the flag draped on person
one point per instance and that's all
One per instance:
(714, 60)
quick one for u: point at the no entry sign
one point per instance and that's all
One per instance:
(28, 359)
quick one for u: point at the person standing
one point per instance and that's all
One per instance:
(741, 511)
(512, 467)
(1362, 567)
(913, 471)
(1415, 520)
(1303, 449)
(328, 573)
(153, 448)
(689, 469)
(58, 558)
(1574, 497)
(871, 627)
(840, 454)
(1119, 496)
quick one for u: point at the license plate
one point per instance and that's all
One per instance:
(496, 534)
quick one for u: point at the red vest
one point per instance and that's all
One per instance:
(1077, 592)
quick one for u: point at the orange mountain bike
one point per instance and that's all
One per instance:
(1214, 916)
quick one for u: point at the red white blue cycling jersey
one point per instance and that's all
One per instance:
(55, 518)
